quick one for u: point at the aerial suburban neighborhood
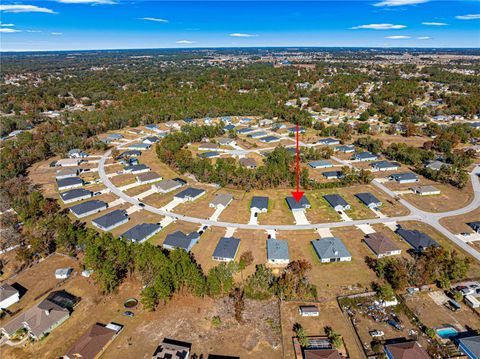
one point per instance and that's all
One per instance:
(240, 202)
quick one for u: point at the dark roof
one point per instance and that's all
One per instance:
(368, 198)
(111, 218)
(302, 204)
(141, 231)
(190, 192)
(227, 247)
(320, 163)
(129, 153)
(75, 193)
(181, 240)
(330, 247)
(209, 154)
(379, 243)
(70, 181)
(277, 249)
(472, 344)
(152, 138)
(364, 155)
(327, 141)
(385, 164)
(335, 200)
(172, 349)
(91, 343)
(407, 350)
(134, 168)
(474, 225)
(269, 138)
(336, 174)
(418, 240)
(259, 202)
(404, 176)
(63, 299)
(88, 206)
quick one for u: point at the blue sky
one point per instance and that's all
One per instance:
(123, 24)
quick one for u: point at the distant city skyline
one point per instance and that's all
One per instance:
(120, 24)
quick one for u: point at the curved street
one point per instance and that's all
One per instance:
(415, 214)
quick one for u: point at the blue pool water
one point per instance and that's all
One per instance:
(447, 332)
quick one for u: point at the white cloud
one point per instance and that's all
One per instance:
(33, 31)
(397, 37)
(424, 38)
(399, 2)
(379, 27)
(434, 23)
(236, 34)
(153, 19)
(7, 25)
(56, 33)
(8, 30)
(25, 8)
(468, 17)
(94, 2)
(185, 42)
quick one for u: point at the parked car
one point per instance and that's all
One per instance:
(377, 333)
(129, 314)
(140, 204)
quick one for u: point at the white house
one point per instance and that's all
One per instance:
(63, 273)
(308, 311)
(8, 296)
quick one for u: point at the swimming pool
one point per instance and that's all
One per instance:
(446, 333)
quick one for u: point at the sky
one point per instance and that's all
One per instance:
(128, 24)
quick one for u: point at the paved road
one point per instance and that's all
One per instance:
(415, 213)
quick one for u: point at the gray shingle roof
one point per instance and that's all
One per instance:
(364, 156)
(169, 185)
(70, 181)
(302, 204)
(181, 240)
(471, 344)
(418, 240)
(226, 248)
(111, 219)
(328, 141)
(259, 202)
(277, 249)
(190, 192)
(335, 200)
(269, 138)
(385, 164)
(330, 247)
(406, 176)
(368, 199)
(332, 174)
(141, 231)
(88, 206)
(320, 163)
(136, 168)
(75, 193)
(223, 199)
(7, 291)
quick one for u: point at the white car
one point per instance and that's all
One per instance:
(377, 333)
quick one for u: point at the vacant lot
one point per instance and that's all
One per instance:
(458, 224)
(122, 180)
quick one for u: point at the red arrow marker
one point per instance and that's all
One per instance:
(297, 195)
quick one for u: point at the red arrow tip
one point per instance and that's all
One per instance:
(297, 195)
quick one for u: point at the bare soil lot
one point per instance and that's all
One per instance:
(458, 224)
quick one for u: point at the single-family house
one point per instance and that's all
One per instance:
(332, 174)
(320, 164)
(172, 349)
(135, 131)
(152, 127)
(114, 136)
(406, 350)
(475, 226)
(129, 153)
(227, 142)
(257, 134)
(77, 153)
(150, 140)
(436, 165)
(337, 202)
(345, 148)
(265, 122)
(67, 173)
(299, 206)
(139, 146)
(369, 200)
(331, 249)
(406, 177)
(328, 141)
(8, 296)
(383, 166)
(88, 208)
(208, 146)
(226, 249)
(248, 162)
(245, 130)
(169, 185)
(69, 183)
(419, 241)
(269, 139)
(259, 204)
(294, 129)
(148, 177)
(308, 311)
(381, 245)
(221, 200)
(277, 251)
(364, 156)
(326, 351)
(229, 127)
(425, 190)
(470, 346)
(39, 320)
(136, 169)
(209, 154)
(180, 240)
(141, 232)
(189, 194)
(76, 194)
(111, 220)
(93, 342)
(245, 120)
